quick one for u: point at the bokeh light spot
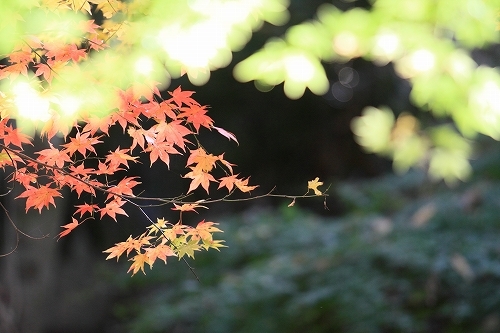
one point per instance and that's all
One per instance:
(29, 103)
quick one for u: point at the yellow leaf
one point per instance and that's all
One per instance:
(138, 263)
(313, 185)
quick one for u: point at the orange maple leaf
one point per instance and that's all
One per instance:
(119, 157)
(39, 197)
(138, 263)
(112, 208)
(188, 207)
(86, 208)
(242, 185)
(53, 156)
(172, 132)
(196, 114)
(228, 182)
(161, 150)
(124, 187)
(82, 143)
(204, 162)
(182, 97)
(137, 137)
(95, 124)
(12, 135)
(68, 228)
(206, 229)
(160, 251)
(199, 178)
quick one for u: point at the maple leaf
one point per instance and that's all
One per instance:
(137, 137)
(228, 182)
(95, 124)
(313, 185)
(80, 170)
(124, 187)
(196, 114)
(158, 226)
(138, 263)
(53, 156)
(226, 163)
(242, 185)
(23, 177)
(145, 89)
(137, 243)
(43, 69)
(204, 162)
(117, 250)
(104, 169)
(187, 248)
(64, 52)
(188, 207)
(160, 251)
(14, 70)
(206, 229)
(96, 43)
(182, 97)
(89, 26)
(14, 136)
(81, 185)
(172, 132)
(68, 228)
(21, 56)
(199, 178)
(112, 208)
(128, 109)
(86, 208)
(108, 7)
(213, 244)
(82, 143)
(55, 124)
(39, 197)
(227, 134)
(9, 159)
(175, 234)
(119, 157)
(161, 150)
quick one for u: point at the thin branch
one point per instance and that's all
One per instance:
(18, 231)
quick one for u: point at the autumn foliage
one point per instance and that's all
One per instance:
(160, 128)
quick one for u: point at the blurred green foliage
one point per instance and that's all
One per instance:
(429, 43)
(411, 256)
